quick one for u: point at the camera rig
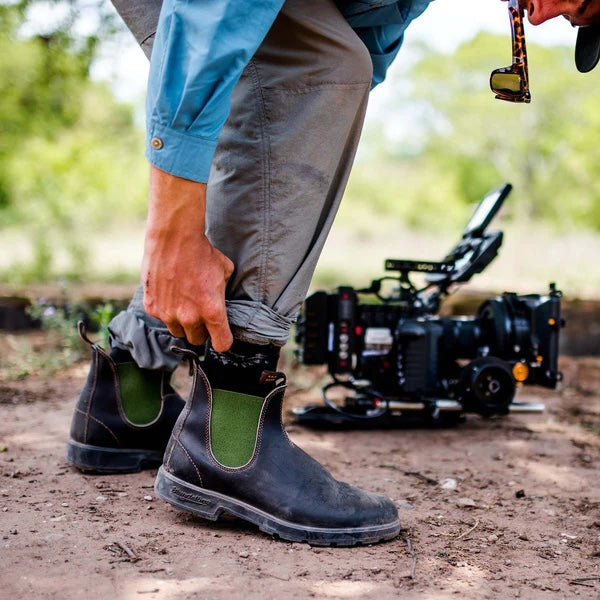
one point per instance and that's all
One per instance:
(395, 362)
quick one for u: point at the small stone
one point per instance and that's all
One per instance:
(13, 532)
(508, 562)
(148, 498)
(466, 502)
(244, 554)
(520, 494)
(492, 538)
(448, 484)
(100, 498)
(524, 537)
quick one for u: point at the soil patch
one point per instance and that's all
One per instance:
(502, 508)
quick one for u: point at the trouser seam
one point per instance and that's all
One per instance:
(266, 189)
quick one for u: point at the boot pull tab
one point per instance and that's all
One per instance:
(274, 378)
(82, 333)
(189, 355)
(93, 345)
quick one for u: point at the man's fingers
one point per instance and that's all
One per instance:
(175, 329)
(221, 337)
(196, 335)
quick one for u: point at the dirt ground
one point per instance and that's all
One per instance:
(505, 508)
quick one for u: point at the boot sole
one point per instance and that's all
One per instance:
(210, 505)
(96, 459)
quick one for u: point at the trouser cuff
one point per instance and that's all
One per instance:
(149, 341)
(256, 323)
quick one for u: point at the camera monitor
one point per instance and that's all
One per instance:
(476, 248)
(486, 211)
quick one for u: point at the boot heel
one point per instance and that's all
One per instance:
(186, 496)
(96, 459)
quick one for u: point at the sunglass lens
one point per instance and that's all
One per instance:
(509, 85)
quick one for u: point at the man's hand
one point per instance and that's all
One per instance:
(183, 275)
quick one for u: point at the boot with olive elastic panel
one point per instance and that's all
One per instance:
(230, 454)
(124, 415)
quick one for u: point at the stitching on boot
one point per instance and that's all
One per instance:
(259, 436)
(269, 398)
(99, 422)
(95, 367)
(292, 445)
(188, 409)
(145, 425)
(254, 451)
(190, 459)
(117, 390)
(120, 410)
(113, 368)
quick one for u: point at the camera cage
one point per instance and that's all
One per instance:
(476, 249)
(471, 255)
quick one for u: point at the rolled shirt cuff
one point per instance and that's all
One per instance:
(179, 153)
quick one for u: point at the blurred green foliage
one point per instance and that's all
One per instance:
(461, 142)
(70, 156)
(72, 165)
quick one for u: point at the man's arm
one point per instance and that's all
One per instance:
(200, 51)
(183, 275)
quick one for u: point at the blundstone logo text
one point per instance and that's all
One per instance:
(188, 496)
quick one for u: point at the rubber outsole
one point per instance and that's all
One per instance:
(210, 505)
(96, 459)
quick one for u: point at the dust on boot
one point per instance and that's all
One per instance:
(229, 453)
(124, 415)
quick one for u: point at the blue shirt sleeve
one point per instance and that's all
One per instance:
(383, 43)
(200, 51)
(381, 24)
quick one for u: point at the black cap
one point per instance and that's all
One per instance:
(587, 48)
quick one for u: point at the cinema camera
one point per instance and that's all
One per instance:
(394, 361)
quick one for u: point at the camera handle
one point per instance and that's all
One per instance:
(407, 293)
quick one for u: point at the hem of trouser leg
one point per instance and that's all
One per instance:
(149, 346)
(256, 323)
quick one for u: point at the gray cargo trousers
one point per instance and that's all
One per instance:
(279, 171)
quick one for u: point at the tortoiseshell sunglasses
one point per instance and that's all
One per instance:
(512, 83)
